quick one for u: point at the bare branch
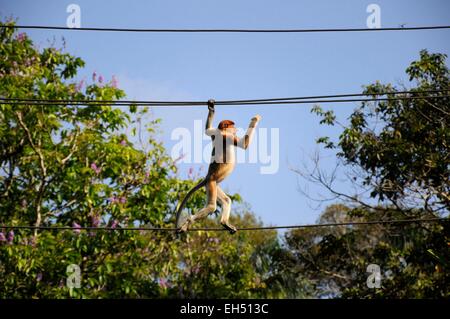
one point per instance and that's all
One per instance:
(42, 183)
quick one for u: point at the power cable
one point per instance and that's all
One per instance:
(416, 220)
(155, 30)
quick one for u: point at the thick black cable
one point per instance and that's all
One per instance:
(416, 220)
(342, 100)
(222, 102)
(333, 96)
(187, 103)
(155, 30)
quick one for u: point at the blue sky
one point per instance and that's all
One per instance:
(240, 66)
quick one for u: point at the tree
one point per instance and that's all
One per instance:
(72, 165)
(397, 151)
(335, 260)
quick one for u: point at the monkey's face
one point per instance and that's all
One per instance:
(230, 130)
(227, 126)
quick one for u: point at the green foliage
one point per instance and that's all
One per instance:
(66, 165)
(403, 145)
(336, 259)
(214, 265)
(399, 149)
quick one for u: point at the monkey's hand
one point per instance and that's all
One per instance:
(211, 105)
(256, 118)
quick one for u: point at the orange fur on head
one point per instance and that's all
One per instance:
(226, 124)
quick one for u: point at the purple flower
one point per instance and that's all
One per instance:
(123, 143)
(2, 237)
(32, 242)
(163, 283)
(10, 236)
(195, 270)
(114, 82)
(114, 224)
(39, 277)
(95, 221)
(100, 79)
(79, 86)
(77, 227)
(21, 37)
(213, 240)
(96, 169)
(116, 200)
(94, 76)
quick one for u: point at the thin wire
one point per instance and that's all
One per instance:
(223, 102)
(340, 100)
(333, 96)
(176, 104)
(228, 30)
(417, 220)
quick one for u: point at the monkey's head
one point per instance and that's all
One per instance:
(227, 126)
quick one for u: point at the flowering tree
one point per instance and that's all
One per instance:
(72, 165)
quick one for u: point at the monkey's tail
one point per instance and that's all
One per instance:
(181, 205)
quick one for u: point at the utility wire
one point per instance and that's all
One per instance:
(232, 101)
(416, 220)
(435, 27)
(334, 96)
(176, 104)
(341, 100)
(288, 100)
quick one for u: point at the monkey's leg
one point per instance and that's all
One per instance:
(211, 199)
(226, 208)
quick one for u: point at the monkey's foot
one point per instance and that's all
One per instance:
(229, 227)
(184, 227)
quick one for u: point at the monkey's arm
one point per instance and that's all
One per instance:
(247, 139)
(209, 130)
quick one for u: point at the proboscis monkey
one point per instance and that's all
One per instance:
(222, 164)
